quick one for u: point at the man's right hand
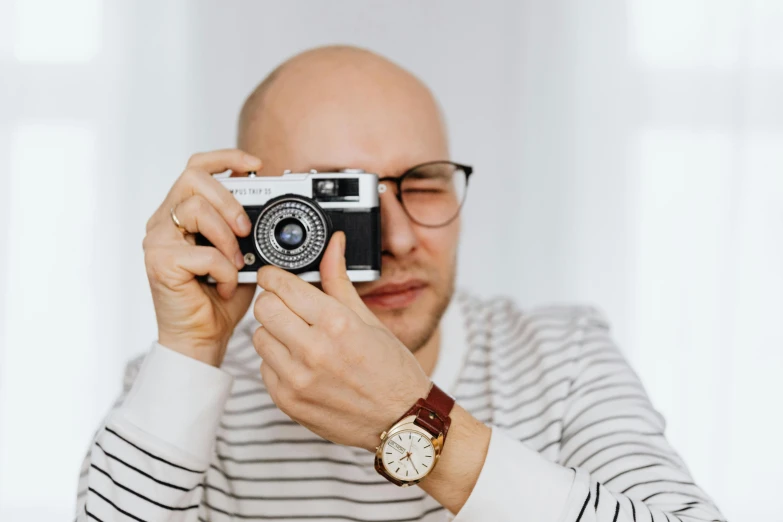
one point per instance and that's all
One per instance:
(197, 318)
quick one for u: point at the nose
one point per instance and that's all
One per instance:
(398, 237)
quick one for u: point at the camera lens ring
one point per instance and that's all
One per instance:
(308, 215)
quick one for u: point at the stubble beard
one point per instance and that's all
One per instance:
(415, 332)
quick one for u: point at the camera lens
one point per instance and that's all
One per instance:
(290, 233)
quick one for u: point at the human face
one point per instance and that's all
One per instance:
(329, 114)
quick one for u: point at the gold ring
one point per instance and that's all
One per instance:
(176, 222)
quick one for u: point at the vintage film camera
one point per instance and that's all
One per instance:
(293, 216)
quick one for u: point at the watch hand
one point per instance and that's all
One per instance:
(414, 466)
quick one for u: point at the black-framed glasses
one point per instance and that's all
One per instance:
(432, 193)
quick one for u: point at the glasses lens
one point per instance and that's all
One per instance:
(433, 193)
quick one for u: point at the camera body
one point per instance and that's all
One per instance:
(293, 217)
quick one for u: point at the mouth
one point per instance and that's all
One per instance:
(394, 295)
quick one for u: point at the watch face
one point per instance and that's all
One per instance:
(408, 455)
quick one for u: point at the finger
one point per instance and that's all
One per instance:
(272, 351)
(173, 265)
(217, 161)
(335, 280)
(193, 182)
(280, 321)
(270, 378)
(304, 299)
(162, 235)
(198, 175)
(197, 215)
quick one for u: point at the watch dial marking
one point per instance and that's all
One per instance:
(396, 446)
(409, 456)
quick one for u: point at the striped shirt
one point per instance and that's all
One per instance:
(574, 436)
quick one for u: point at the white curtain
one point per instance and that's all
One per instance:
(628, 154)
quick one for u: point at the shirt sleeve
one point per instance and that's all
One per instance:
(615, 464)
(516, 483)
(148, 459)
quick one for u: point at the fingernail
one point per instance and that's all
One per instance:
(342, 241)
(252, 161)
(243, 222)
(239, 260)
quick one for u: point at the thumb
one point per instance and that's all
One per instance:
(335, 281)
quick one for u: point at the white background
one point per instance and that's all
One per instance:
(628, 154)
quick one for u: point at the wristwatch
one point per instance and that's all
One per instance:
(410, 449)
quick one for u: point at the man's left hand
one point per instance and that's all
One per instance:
(328, 361)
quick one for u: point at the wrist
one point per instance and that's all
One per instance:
(210, 353)
(461, 461)
(424, 427)
(396, 409)
(176, 401)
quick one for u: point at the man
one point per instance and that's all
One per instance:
(550, 423)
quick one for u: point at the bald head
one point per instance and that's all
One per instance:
(336, 89)
(342, 107)
(251, 112)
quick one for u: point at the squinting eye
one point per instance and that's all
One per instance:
(422, 191)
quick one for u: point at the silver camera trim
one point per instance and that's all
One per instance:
(311, 234)
(356, 276)
(257, 190)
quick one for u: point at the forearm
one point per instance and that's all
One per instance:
(149, 458)
(129, 474)
(484, 475)
(614, 437)
(461, 461)
(614, 463)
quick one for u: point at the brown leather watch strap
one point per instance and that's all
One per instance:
(440, 400)
(433, 412)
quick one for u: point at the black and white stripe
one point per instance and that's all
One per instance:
(550, 377)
